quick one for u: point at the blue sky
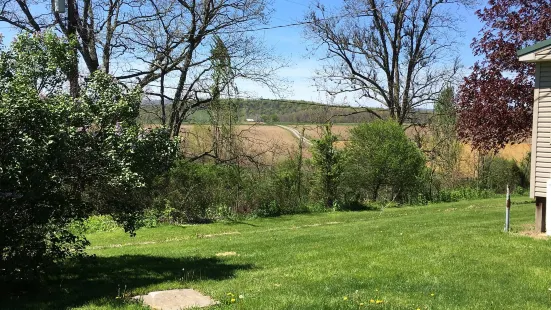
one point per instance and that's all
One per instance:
(290, 43)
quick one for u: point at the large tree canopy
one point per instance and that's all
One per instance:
(62, 158)
(162, 46)
(495, 100)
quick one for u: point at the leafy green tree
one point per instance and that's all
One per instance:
(444, 147)
(63, 159)
(222, 112)
(382, 159)
(327, 160)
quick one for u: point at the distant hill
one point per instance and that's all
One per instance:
(282, 111)
(287, 111)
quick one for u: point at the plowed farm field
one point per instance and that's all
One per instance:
(271, 143)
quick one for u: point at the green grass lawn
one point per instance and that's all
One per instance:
(442, 256)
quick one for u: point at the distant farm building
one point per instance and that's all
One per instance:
(250, 120)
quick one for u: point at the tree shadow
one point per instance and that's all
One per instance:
(356, 206)
(92, 278)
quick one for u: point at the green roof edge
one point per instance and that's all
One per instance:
(533, 48)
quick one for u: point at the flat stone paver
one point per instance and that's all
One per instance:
(176, 299)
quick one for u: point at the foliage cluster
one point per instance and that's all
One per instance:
(495, 102)
(197, 192)
(280, 111)
(380, 166)
(382, 163)
(63, 159)
(497, 173)
(328, 161)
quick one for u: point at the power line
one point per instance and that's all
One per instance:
(293, 24)
(298, 3)
(273, 27)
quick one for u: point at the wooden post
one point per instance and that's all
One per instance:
(507, 209)
(540, 214)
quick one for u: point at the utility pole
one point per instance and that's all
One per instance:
(71, 33)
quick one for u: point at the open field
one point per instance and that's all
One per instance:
(315, 131)
(272, 143)
(441, 256)
(268, 144)
(512, 151)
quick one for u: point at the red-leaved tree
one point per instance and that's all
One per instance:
(495, 100)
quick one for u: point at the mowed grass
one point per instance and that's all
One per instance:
(442, 256)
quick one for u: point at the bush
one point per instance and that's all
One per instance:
(268, 210)
(188, 191)
(524, 167)
(286, 186)
(95, 223)
(201, 192)
(497, 173)
(463, 193)
(328, 163)
(382, 164)
(64, 159)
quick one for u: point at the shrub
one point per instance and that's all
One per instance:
(328, 163)
(188, 191)
(524, 167)
(382, 163)
(462, 193)
(95, 223)
(288, 185)
(315, 207)
(268, 210)
(200, 192)
(64, 159)
(497, 173)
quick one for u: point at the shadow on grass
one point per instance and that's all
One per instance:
(357, 206)
(101, 279)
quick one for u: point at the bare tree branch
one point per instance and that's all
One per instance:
(396, 53)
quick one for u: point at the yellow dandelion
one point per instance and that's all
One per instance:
(379, 301)
(345, 298)
(372, 301)
(418, 309)
(232, 300)
(432, 294)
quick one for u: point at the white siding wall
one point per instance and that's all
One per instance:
(541, 131)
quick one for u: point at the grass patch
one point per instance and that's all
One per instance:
(441, 256)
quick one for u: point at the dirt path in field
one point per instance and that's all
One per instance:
(297, 134)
